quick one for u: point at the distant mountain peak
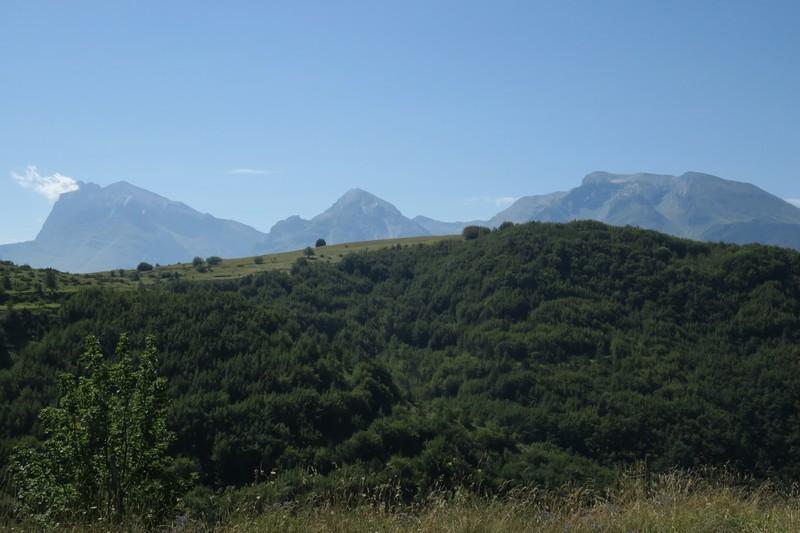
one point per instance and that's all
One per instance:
(359, 202)
(694, 205)
(100, 228)
(122, 183)
(357, 215)
(359, 196)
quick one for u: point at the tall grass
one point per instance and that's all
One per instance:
(675, 501)
(705, 501)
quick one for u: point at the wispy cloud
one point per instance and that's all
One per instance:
(795, 201)
(248, 172)
(51, 187)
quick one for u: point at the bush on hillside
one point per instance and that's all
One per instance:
(473, 232)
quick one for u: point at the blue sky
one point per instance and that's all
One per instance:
(446, 109)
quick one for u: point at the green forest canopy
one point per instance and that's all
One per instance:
(538, 353)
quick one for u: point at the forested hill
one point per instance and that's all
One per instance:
(536, 353)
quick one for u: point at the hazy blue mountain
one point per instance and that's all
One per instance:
(693, 205)
(100, 228)
(437, 227)
(356, 216)
(526, 208)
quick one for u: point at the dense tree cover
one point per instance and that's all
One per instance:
(534, 354)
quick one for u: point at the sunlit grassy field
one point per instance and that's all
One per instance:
(236, 268)
(29, 289)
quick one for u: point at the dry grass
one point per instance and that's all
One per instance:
(673, 502)
(236, 268)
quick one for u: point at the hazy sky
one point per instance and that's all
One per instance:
(259, 110)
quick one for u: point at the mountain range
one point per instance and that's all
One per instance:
(100, 228)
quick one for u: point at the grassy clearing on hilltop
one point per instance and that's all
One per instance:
(28, 288)
(237, 268)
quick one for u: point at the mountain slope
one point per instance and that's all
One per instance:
(437, 227)
(356, 216)
(526, 208)
(100, 228)
(693, 205)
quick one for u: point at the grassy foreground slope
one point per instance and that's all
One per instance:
(670, 502)
(532, 356)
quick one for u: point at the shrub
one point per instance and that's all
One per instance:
(308, 252)
(473, 232)
(144, 267)
(505, 225)
(197, 261)
(213, 260)
(105, 451)
(258, 260)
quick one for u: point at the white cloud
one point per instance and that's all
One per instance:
(504, 201)
(247, 172)
(51, 187)
(794, 201)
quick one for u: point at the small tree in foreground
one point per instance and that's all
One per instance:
(105, 452)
